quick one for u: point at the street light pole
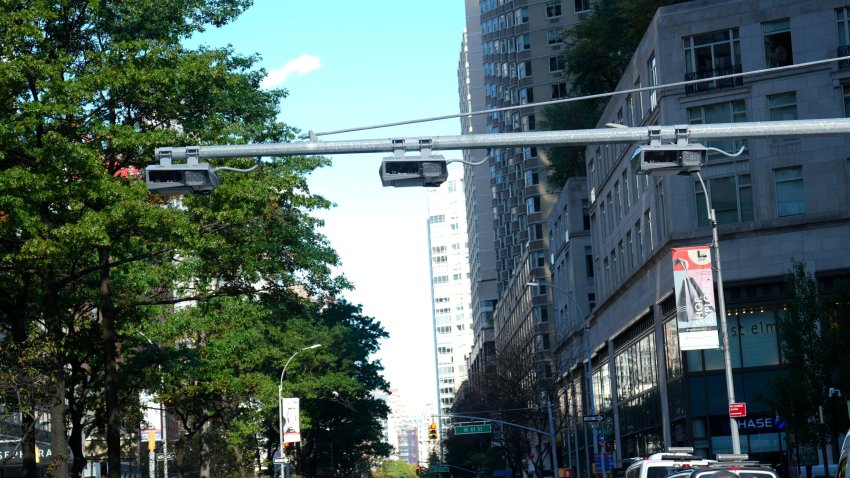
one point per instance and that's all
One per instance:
(645, 160)
(285, 466)
(721, 310)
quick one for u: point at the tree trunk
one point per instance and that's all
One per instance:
(180, 457)
(58, 437)
(28, 444)
(19, 335)
(58, 409)
(205, 453)
(113, 414)
(76, 443)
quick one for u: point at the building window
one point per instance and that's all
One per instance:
(846, 90)
(843, 15)
(585, 214)
(538, 259)
(532, 204)
(638, 103)
(582, 5)
(437, 218)
(553, 9)
(652, 78)
(713, 54)
(555, 35)
(731, 199)
(529, 123)
(588, 261)
(542, 341)
(777, 43)
(559, 90)
(526, 95)
(727, 112)
(782, 107)
(521, 15)
(523, 42)
(524, 69)
(535, 232)
(790, 196)
(541, 315)
(531, 177)
(556, 63)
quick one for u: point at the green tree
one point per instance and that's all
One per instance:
(343, 416)
(811, 328)
(87, 90)
(395, 469)
(596, 54)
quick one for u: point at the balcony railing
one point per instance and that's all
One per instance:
(713, 85)
(843, 50)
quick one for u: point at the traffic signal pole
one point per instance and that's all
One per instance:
(701, 132)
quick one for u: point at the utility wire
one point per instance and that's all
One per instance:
(311, 135)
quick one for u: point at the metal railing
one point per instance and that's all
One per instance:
(713, 85)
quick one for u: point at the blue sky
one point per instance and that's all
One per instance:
(355, 64)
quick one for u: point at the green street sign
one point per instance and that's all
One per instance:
(439, 469)
(470, 429)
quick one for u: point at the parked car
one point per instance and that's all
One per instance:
(843, 457)
(728, 466)
(659, 465)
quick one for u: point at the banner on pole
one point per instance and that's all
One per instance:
(291, 424)
(696, 313)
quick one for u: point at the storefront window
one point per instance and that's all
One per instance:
(636, 368)
(753, 342)
(671, 350)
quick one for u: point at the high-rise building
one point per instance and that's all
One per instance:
(450, 289)
(511, 60)
(479, 208)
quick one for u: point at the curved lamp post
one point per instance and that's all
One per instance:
(285, 466)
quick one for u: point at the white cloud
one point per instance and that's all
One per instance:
(303, 64)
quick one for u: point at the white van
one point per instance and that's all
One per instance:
(662, 464)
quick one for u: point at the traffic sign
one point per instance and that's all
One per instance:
(439, 468)
(737, 410)
(593, 418)
(470, 429)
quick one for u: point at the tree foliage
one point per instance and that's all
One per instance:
(596, 53)
(395, 469)
(813, 330)
(114, 291)
(512, 391)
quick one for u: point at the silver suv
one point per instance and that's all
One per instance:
(662, 464)
(728, 466)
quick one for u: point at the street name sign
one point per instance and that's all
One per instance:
(439, 468)
(470, 429)
(593, 418)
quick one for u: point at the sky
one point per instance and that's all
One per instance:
(358, 64)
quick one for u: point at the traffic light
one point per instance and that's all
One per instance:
(667, 159)
(432, 431)
(418, 470)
